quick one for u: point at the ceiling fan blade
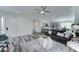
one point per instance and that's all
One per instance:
(43, 7)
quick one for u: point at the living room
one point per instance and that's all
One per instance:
(53, 26)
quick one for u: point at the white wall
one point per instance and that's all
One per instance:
(76, 12)
(24, 25)
(17, 25)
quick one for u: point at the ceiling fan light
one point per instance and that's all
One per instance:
(42, 12)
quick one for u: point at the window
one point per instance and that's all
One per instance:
(2, 25)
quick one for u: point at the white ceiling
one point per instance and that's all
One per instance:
(56, 11)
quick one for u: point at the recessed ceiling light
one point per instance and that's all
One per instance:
(53, 16)
(18, 12)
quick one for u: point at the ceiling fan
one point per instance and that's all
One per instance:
(43, 10)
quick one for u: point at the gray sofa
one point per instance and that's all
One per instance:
(28, 43)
